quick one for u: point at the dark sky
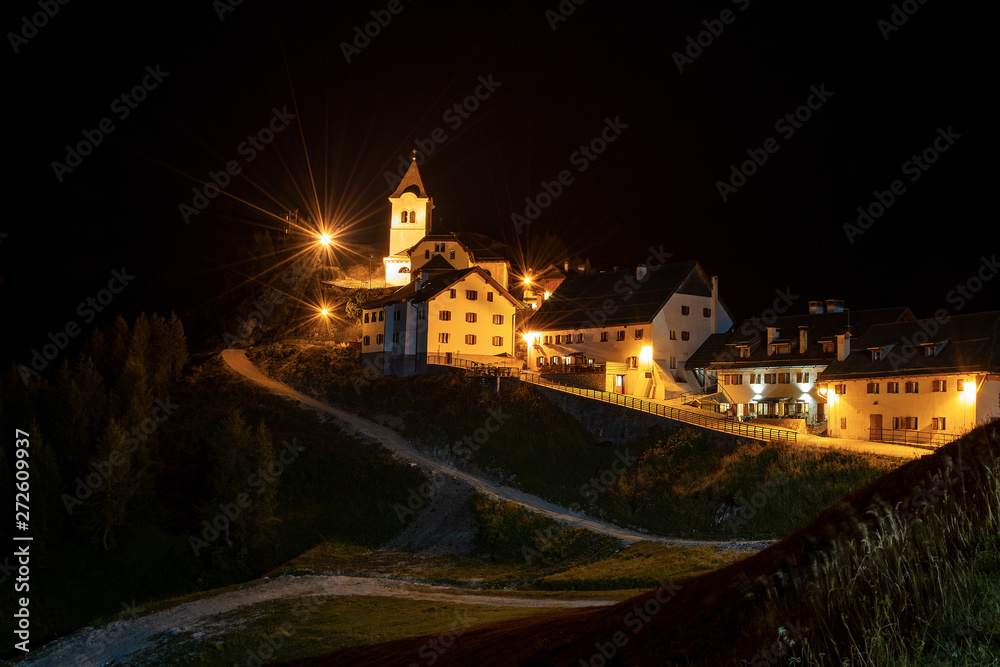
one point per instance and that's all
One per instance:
(554, 90)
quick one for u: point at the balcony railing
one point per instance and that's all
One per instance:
(693, 417)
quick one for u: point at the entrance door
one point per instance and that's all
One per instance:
(619, 384)
(875, 430)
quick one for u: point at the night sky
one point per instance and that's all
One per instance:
(217, 74)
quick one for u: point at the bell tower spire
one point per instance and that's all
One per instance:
(410, 219)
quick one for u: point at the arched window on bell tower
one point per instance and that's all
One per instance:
(402, 216)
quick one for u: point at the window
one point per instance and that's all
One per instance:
(939, 385)
(892, 387)
(421, 314)
(638, 334)
(471, 294)
(579, 338)
(381, 316)
(498, 319)
(755, 378)
(673, 362)
(621, 335)
(366, 318)
(876, 353)
(443, 337)
(733, 379)
(827, 346)
(685, 310)
(367, 341)
(938, 423)
(959, 385)
(489, 297)
(744, 353)
(843, 423)
(402, 216)
(912, 388)
(604, 336)
(801, 377)
(873, 387)
(445, 315)
(470, 318)
(497, 341)
(784, 378)
(685, 335)
(541, 361)
(770, 378)
(558, 339)
(470, 339)
(413, 217)
(707, 312)
(632, 362)
(451, 255)
(427, 253)
(548, 340)
(379, 338)
(395, 336)
(840, 389)
(673, 335)
(396, 314)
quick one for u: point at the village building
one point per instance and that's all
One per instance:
(924, 381)
(769, 368)
(409, 221)
(440, 316)
(638, 326)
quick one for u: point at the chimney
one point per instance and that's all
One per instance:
(834, 306)
(803, 339)
(715, 304)
(640, 272)
(815, 307)
(843, 346)
(566, 266)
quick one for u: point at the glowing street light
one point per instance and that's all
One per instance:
(326, 239)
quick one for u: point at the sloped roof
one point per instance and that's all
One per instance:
(481, 248)
(965, 344)
(819, 326)
(435, 285)
(581, 293)
(411, 178)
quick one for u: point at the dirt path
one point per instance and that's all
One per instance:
(118, 641)
(237, 360)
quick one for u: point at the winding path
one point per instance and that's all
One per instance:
(401, 448)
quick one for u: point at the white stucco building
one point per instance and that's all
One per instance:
(920, 381)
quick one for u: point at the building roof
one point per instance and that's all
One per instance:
(435, 285)
(583, 293)
(959, 344)
(481, 248)
(819, 327)
(410, 179)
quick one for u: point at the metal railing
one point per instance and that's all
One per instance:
(477, 367)
(704, 420)
(904, 436)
